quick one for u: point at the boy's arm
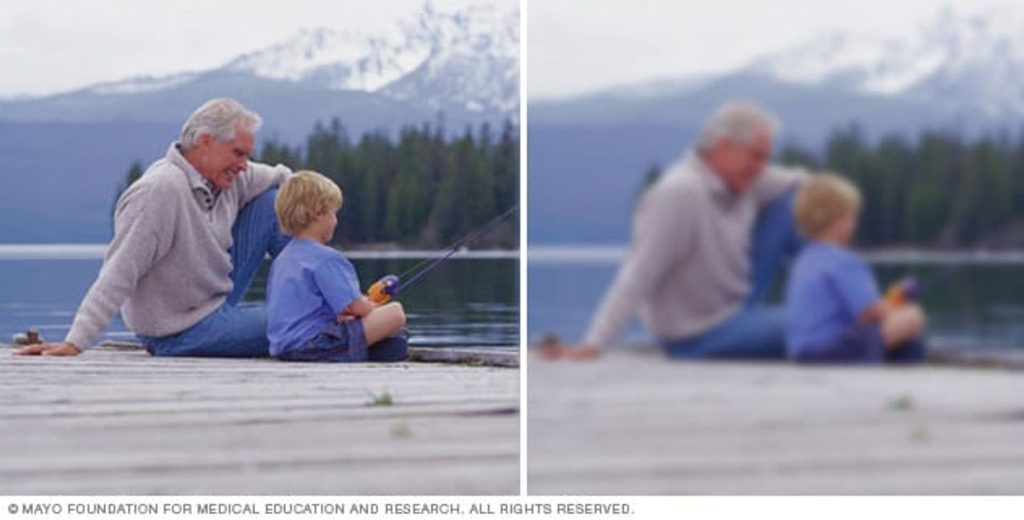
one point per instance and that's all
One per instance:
(846, 351)
(875, 313)
(334, 280)
(359, 308)
(854, 285)
(856, 288)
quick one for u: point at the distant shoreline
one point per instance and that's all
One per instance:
(613, 254)
(96, 252)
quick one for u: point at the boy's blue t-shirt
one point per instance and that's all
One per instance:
(828, 289)
(309, 285)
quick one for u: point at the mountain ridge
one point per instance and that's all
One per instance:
(588, 153)
(463, 63)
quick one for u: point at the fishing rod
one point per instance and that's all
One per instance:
(464, 240)
(383, 290)
(909, 288)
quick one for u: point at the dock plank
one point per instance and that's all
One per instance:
(118, 421)
(633, 422)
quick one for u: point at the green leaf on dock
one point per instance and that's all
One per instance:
(381, 399)
(902, 403)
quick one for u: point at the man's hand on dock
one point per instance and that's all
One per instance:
(552, 351)
(49, 349)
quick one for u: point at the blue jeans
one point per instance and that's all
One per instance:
(757, 330)
(234, 330)
(345, 342)
(913, 351)
(857, 344)
(864, 344)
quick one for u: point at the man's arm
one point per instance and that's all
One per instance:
(139, 241)
(656, 248)
(777, 181)
(49, 349)
(260, 177)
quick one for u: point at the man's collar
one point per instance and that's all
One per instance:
(195, 179)
(714, 182)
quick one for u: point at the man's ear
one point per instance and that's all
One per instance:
(204, 139)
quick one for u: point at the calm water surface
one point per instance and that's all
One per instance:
(465, 302)
(969, 305)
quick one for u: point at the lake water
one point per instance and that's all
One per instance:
(971, 301)
(464, 302)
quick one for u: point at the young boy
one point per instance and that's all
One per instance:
(833, 308)
(315, 310)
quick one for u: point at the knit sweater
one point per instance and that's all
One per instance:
(168, 265)
(688, 267)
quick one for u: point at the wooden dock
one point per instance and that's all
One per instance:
(120, 422)
(633, 422)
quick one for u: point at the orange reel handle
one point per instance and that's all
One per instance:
(896, 297)
(383, 290)
(903, 292)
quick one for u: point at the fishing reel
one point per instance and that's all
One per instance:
(903, 292)
(383, 290)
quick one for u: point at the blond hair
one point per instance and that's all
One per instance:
(822, 200)
(301, 197)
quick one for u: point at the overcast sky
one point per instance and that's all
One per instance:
(578, 46)
(575, 46)
(53, 45)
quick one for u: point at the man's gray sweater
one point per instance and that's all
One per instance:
(688, 267)
(168, 265)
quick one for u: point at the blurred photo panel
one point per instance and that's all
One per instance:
(775, 247)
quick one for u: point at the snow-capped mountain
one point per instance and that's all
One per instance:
(958, 61)
(141, 84)
(341, 60)
(466, 58)
(450, 69)
(474, 60)
(959, 74)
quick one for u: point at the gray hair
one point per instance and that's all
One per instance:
(738, 121)
(219, 118)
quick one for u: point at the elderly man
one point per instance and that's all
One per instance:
(708, 239)
(189, 236)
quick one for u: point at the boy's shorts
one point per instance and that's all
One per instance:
(341, 342)
(860, 344)
(865, 345)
